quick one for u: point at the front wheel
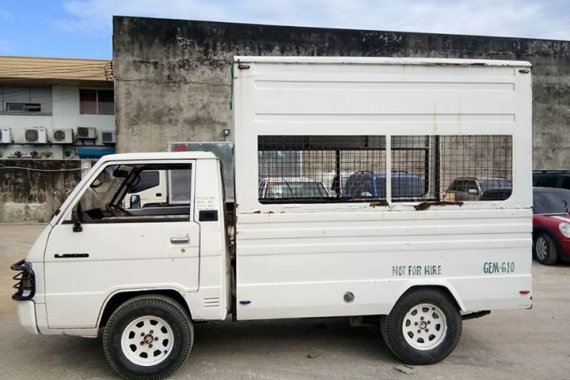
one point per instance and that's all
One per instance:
(423, 327)
(148, 337)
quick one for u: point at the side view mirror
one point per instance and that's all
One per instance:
(135, 201)
(472, 191)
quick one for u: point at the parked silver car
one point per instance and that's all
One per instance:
(472, 188)
(301, 188)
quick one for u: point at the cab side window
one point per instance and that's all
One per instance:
(149, 179)
(137, 193)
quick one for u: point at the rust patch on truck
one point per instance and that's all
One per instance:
(382, 203)
(426, 205)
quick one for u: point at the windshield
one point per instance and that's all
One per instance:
(495, 183)
(551, 202)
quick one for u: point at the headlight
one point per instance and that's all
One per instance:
(565, 229)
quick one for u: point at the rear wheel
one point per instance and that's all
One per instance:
(148, 337)
(423, 328)
(545, 249)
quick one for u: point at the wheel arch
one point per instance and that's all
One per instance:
(116, 299)
(444, 287)
(540, 230)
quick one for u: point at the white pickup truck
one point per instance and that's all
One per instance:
(139, 275)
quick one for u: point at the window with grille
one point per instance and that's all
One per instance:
(26, 100)
(474, 168)
(318, 169)
(96, 102)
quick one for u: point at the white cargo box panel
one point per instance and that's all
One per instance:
(300, 260)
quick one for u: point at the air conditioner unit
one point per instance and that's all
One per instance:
(36, 135)
(86, 133)
(108, 137)
(23, 107)
(6, 136)
(63, 136)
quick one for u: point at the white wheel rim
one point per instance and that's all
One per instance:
(147, 341)
(424, 326)
(541, 248)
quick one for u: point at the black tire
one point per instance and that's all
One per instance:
(425, 347)
(546, 249)
(152, 312)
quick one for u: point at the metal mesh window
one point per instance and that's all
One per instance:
(476, 168)
(451, 168)
(316, 169)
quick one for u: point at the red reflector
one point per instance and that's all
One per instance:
(524, 292)
(179, 148)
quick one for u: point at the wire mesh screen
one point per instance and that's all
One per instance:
(319, 169)
(452, 168)
(315, 169)
(476, 168)
(414, 171)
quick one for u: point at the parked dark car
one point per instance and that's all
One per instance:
(496, 194)
(551, 225)
(373, 185)
(551, 178)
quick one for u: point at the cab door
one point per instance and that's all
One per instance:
(114, 250)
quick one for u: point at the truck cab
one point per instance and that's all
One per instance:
(93, 234)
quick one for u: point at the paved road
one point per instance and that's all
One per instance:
(523, 344)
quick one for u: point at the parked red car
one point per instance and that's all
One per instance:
(551, 225)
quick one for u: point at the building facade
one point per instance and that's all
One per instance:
(173, 77)
(56, 108)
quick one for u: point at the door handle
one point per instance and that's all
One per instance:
(180, 240)
(70, 255)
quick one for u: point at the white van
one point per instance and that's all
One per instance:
(140, 276)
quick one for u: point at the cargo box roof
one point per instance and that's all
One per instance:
(383, 61)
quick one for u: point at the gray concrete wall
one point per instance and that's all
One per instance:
(31, 190)
(173, 80)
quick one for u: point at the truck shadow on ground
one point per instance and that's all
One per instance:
(279, 349)
(310, 338)
(225, 346)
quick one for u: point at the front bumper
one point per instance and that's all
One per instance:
(25, 291)
(26, 281)
(27, 316)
